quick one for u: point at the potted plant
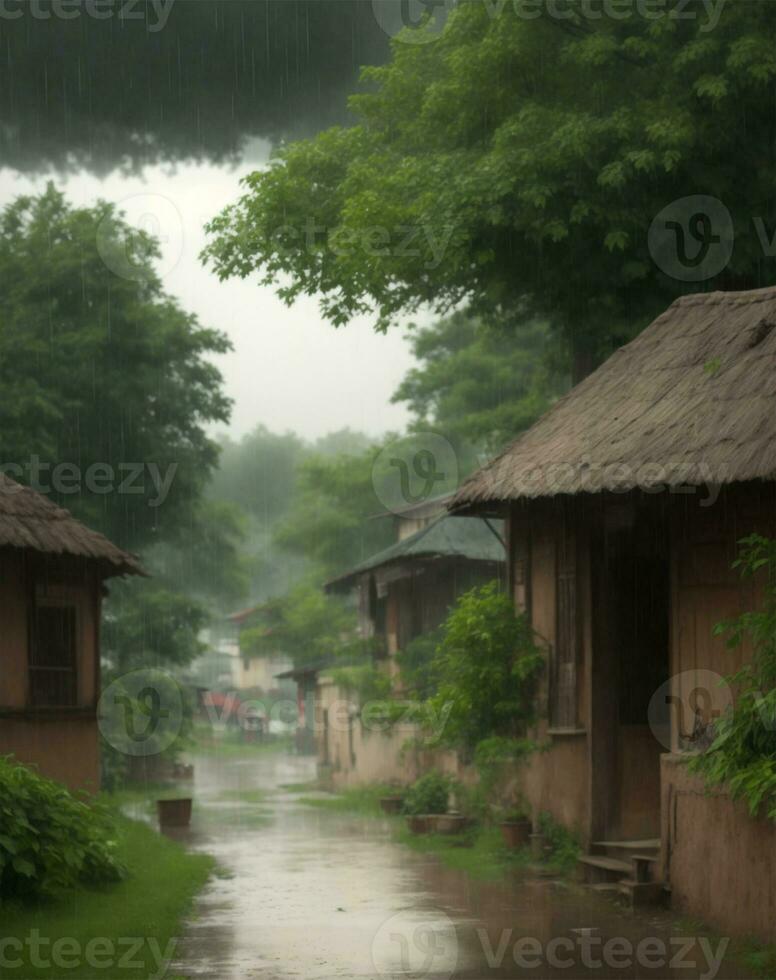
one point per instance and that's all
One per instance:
(391, 803)
(174, 812)
(427, 797)
(516, 826)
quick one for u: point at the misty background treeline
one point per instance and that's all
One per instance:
(99, 370)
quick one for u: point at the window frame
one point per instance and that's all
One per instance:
(42, 601)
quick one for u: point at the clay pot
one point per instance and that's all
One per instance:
(174, 813)
(419, 823)
(450, 823)
(391, 804)
(516, 833)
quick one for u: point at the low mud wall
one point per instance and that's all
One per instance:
(721, 863)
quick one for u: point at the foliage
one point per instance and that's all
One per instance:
(328, 523)
(479, 852)
(416, 663)
(496, 759)
(479, 384)
(306, 624)
(100, 369)
(363, 800)
(562, 846)
(367, 681)
(487, 666)
(50, 840)
(530, 150)
(429, 794)
(152, 901)
(148, 625)
(743, 753)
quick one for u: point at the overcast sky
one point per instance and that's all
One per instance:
(289, 369)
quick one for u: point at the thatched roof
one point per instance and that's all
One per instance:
(691, 401)
(32, 522)
(469, 538)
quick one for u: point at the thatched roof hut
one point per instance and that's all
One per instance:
(691, 401)
(31, 522)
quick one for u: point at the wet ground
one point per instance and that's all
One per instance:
(305, 893)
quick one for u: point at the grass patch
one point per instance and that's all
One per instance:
(97, 927)
(205, 741)
(363, 800)
(480, 852)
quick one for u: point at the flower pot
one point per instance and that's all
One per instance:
(391, 804)
(419, 823)
(450, 823)
(516, 833)
(174, 813)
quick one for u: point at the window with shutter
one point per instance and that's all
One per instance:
(52, 655)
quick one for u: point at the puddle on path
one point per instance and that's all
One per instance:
(303, 893)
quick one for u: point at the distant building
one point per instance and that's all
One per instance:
(402, 592)
(53, 571)
(252, 670)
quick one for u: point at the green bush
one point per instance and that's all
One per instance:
(49, 840)
(487, 666)
(742, 756)
(429, 794)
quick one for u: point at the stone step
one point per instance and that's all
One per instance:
(651, 844)
(597, 868)
(642, 893)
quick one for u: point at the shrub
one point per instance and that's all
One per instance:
(49, 839)
(429, 794)
(487, 665)
(742, 755)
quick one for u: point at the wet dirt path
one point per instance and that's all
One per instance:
(306, 893)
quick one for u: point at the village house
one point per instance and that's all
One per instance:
(53, 571)
(402, 592)
(624, 505)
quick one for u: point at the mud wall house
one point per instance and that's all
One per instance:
(53, 571)
(402, 592)
(624, 507)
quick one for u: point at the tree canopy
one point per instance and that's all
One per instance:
(102, 375)
(479, 384)
(516, 162)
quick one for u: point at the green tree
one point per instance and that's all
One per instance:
(329, 523)
(529, 155)
(101, 370)
(478, 384)
(486, 669)
(306, 624)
